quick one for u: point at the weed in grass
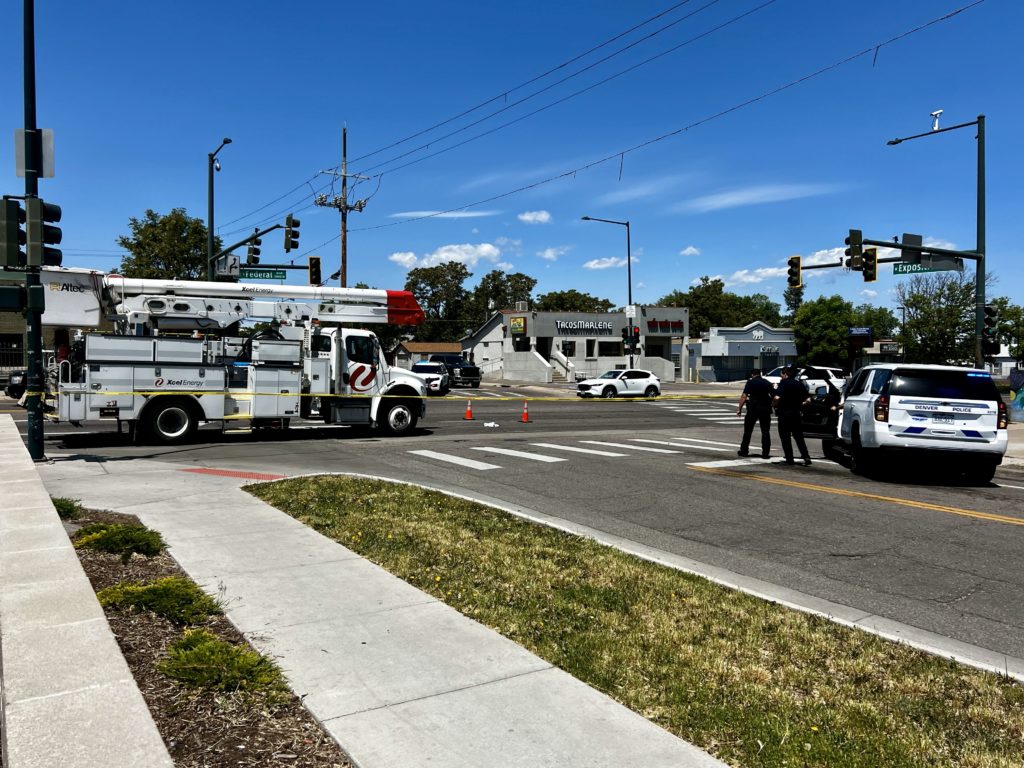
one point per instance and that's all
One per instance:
(123, 540)
(175, 598)
(67, 509)
(200, 659)
(755, 683)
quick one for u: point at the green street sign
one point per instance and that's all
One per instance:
(902, 268)
(252, 273)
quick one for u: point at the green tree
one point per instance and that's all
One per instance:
(939, 318)
(571, 301)
(440, 293)
(821, 327)
(166, 247)
(793, 297)
(711, 305)
(880, 320)
(498, 290)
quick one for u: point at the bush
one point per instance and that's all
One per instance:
(67, 509)
(200, 659)
(123, 540)
(175, 598)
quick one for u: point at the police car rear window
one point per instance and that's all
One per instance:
(966, 385)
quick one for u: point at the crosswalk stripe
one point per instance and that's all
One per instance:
(698, 440)
(519, 454)
(576, 450)
(630, 447)
(469, 463)
(677, 445)
(703, 412)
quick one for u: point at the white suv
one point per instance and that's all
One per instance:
(952, 416)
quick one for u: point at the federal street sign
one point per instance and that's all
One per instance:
(934, 264)
(252, 273)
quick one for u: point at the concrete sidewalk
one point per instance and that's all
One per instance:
(398, 678)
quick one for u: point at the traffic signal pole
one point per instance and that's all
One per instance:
(33, 282)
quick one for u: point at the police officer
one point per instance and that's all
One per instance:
(757, 396)
(790, 397)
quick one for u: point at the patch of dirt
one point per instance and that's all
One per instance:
(201, 729)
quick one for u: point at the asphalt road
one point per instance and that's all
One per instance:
(912, 547)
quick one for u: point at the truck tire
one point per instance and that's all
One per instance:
(169, 420)
(398, 417)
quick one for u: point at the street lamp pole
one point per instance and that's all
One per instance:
(629, 269)
(209, 206)
(979, 275)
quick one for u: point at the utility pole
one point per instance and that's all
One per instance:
(341, 203)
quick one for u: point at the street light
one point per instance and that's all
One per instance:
(629, 270)
(211, 166)
(979, 275)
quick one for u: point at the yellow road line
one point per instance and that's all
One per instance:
(863, 495)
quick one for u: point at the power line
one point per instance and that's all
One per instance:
(555, 84)
(583, 90)
(262, 207)
(504, 94)
(741, 105)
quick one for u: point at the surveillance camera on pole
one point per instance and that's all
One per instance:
(935, 119)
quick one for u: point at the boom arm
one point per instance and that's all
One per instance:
(200, 305)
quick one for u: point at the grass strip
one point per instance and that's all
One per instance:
(754, 683)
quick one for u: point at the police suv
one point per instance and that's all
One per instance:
(952, 417)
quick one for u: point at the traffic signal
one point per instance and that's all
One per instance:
(793, 273)
(314, 270)
(870, 265)
(625, 334)
(854, 254)
(990, 332)
(41, 233)
(291, 233)
(635, 337)
(252, 255)
(12, 236)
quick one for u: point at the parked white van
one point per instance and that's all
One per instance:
(951, 416)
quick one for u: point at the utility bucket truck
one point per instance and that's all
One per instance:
(178, 358)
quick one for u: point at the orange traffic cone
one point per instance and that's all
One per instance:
(526, 414)
(469, 411)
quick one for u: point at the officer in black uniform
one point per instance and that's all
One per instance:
(790, 396)
(757, 396)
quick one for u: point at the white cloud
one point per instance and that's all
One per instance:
(509, 243)
(552, 254)
(641, 191)
(465, 253)
(867, 293)
(442, 214)
(756, 195)
(406, 259)
(534, 217)
(690, 250)
(605, 263)
(753, 276)
(938, 243)
(504, 266)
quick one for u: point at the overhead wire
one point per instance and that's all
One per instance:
(505, 93)
(644, 144)
(583, 90)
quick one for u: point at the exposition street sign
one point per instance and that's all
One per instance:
(251, 273)
(934, 264)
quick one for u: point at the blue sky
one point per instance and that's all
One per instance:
(139, 94)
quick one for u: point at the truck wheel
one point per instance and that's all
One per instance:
(170, 420)
(399, 418)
